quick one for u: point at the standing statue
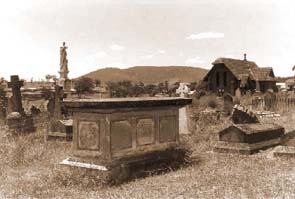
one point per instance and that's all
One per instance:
(63, 57)
(63, 62)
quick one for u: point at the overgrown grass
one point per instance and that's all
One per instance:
(29, 169)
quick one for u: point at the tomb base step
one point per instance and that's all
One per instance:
(118, 171)
(58, 136)
(284, 151)
(245, 148)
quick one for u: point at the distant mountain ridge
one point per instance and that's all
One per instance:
(150, 74)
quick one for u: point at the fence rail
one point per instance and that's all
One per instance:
(274, 102)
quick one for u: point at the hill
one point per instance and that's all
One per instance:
(150, 74)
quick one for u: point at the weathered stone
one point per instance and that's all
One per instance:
(228, 101)
(123, 131)
(18, 120)
(16, 100)
(249, 138)
(20, 123)
(240, 115)
(60, 129)
(284, 151)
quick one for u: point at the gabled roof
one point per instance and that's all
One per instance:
(239, 68)
(244, 69)
(263, 74)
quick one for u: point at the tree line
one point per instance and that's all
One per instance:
(126, 88)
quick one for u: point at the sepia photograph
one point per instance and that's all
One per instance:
(147, 99)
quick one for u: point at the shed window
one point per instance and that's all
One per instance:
(225, 78)
(217, 79)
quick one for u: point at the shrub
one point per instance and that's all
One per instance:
(212, 103)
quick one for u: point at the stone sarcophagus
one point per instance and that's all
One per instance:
(249, 138)
(109, 131)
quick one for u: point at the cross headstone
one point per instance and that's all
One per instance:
(16, 100)
(183, 90)
(57, 99)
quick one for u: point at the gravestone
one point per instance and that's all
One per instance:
(60, 128)
(241, 115)
(249, 138)
(269, 99)
(17, 120)
(238, 94)
(16, 100)
(183, 91)
(228, 103)
(122, 132)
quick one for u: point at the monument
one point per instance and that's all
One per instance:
(16, 100)
(183, 91)
(17, 120)
(60, 128)
(114, 134)
(63, 80)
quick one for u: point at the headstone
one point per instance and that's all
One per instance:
(60, 128)
(249, 138)
(17, 120)
(58, 95)
(238, 93)
(269, 99)
(228, 102)
(16, 100)
(240, 115)
(183, 91)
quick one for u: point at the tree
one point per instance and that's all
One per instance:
(84, 86)
(97, 82)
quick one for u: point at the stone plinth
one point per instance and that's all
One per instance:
(60, 130)
(20, 123)
(249, 138)
(284, 151)
(123, 131)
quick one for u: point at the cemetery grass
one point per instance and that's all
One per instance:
(29, 169)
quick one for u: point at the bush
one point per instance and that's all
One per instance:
(212, 103)
(84, 86)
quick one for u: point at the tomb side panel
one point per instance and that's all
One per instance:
(121, 134)
(167, 128)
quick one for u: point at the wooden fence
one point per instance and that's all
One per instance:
(274, 102)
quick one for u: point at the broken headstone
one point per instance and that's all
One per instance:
(240, 115)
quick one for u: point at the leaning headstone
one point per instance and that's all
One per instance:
(240, 115)
(249, 138)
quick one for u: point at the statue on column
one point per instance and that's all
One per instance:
(63, 62)
(63, 80)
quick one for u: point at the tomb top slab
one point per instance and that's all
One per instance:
(257, 128)
(143, 102)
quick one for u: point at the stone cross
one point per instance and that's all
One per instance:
(16, 101)
(182, 90)
(57, 99)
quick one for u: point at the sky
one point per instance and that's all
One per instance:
(126, 33)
